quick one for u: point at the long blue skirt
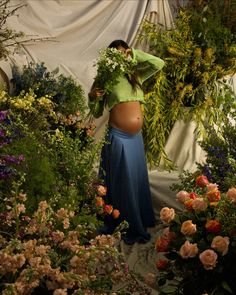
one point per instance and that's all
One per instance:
(124, 172)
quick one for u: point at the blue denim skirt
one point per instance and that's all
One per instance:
(124, 172)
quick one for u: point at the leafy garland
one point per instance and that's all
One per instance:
(194, 84)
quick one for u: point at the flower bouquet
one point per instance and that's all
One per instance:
(111, 64)
(197, 249)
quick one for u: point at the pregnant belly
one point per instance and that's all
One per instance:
(127, 116)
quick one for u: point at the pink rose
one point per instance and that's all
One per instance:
(167, 214)
(199, 204)
(220, 244)
(202, 181)
(208, 258)
(182, 196)
(188, 228)
(212, 186)
(188, 250)
(150, 279)
(231, 194)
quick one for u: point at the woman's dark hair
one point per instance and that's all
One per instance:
(117, 43)
(133, 79)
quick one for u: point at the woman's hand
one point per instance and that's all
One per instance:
(95, 93)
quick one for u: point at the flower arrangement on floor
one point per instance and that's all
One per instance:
(46, 253)
(111, 64)
(197, 249)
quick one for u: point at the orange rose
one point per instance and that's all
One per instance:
(115, 213)
(213, 195)
(189, 205)
(99, 202)
(213, 226)
(202, 181)
(161, 264)
(162, 244)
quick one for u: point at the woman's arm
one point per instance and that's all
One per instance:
(147, 64)
(96, 101)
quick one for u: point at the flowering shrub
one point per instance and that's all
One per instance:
(197, 248)
(45, 253)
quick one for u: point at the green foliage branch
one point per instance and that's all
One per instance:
(199, 53)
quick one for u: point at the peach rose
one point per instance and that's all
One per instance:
(182, 196)
(102, 190)
(231, 194)
(188, 250)
(199, 204)
(213, 195)
(208, 258)
(202, 181)
(188, 228)
(213, 226)
(167, 214)
(220, 244)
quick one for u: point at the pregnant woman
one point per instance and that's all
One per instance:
(123, 165)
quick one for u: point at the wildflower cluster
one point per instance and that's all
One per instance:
(111, 64)
(197, 247)
(8, 133)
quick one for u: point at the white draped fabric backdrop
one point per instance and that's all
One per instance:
(77, 29)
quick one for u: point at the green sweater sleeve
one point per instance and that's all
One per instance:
(147, 64)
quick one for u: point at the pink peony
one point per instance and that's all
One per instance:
(231, 194)
(199, 204)
(212, 186)
(188, 228)
(188, 250)
(167, 214)
(182, 196)
(220, 244)
(208, 258)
